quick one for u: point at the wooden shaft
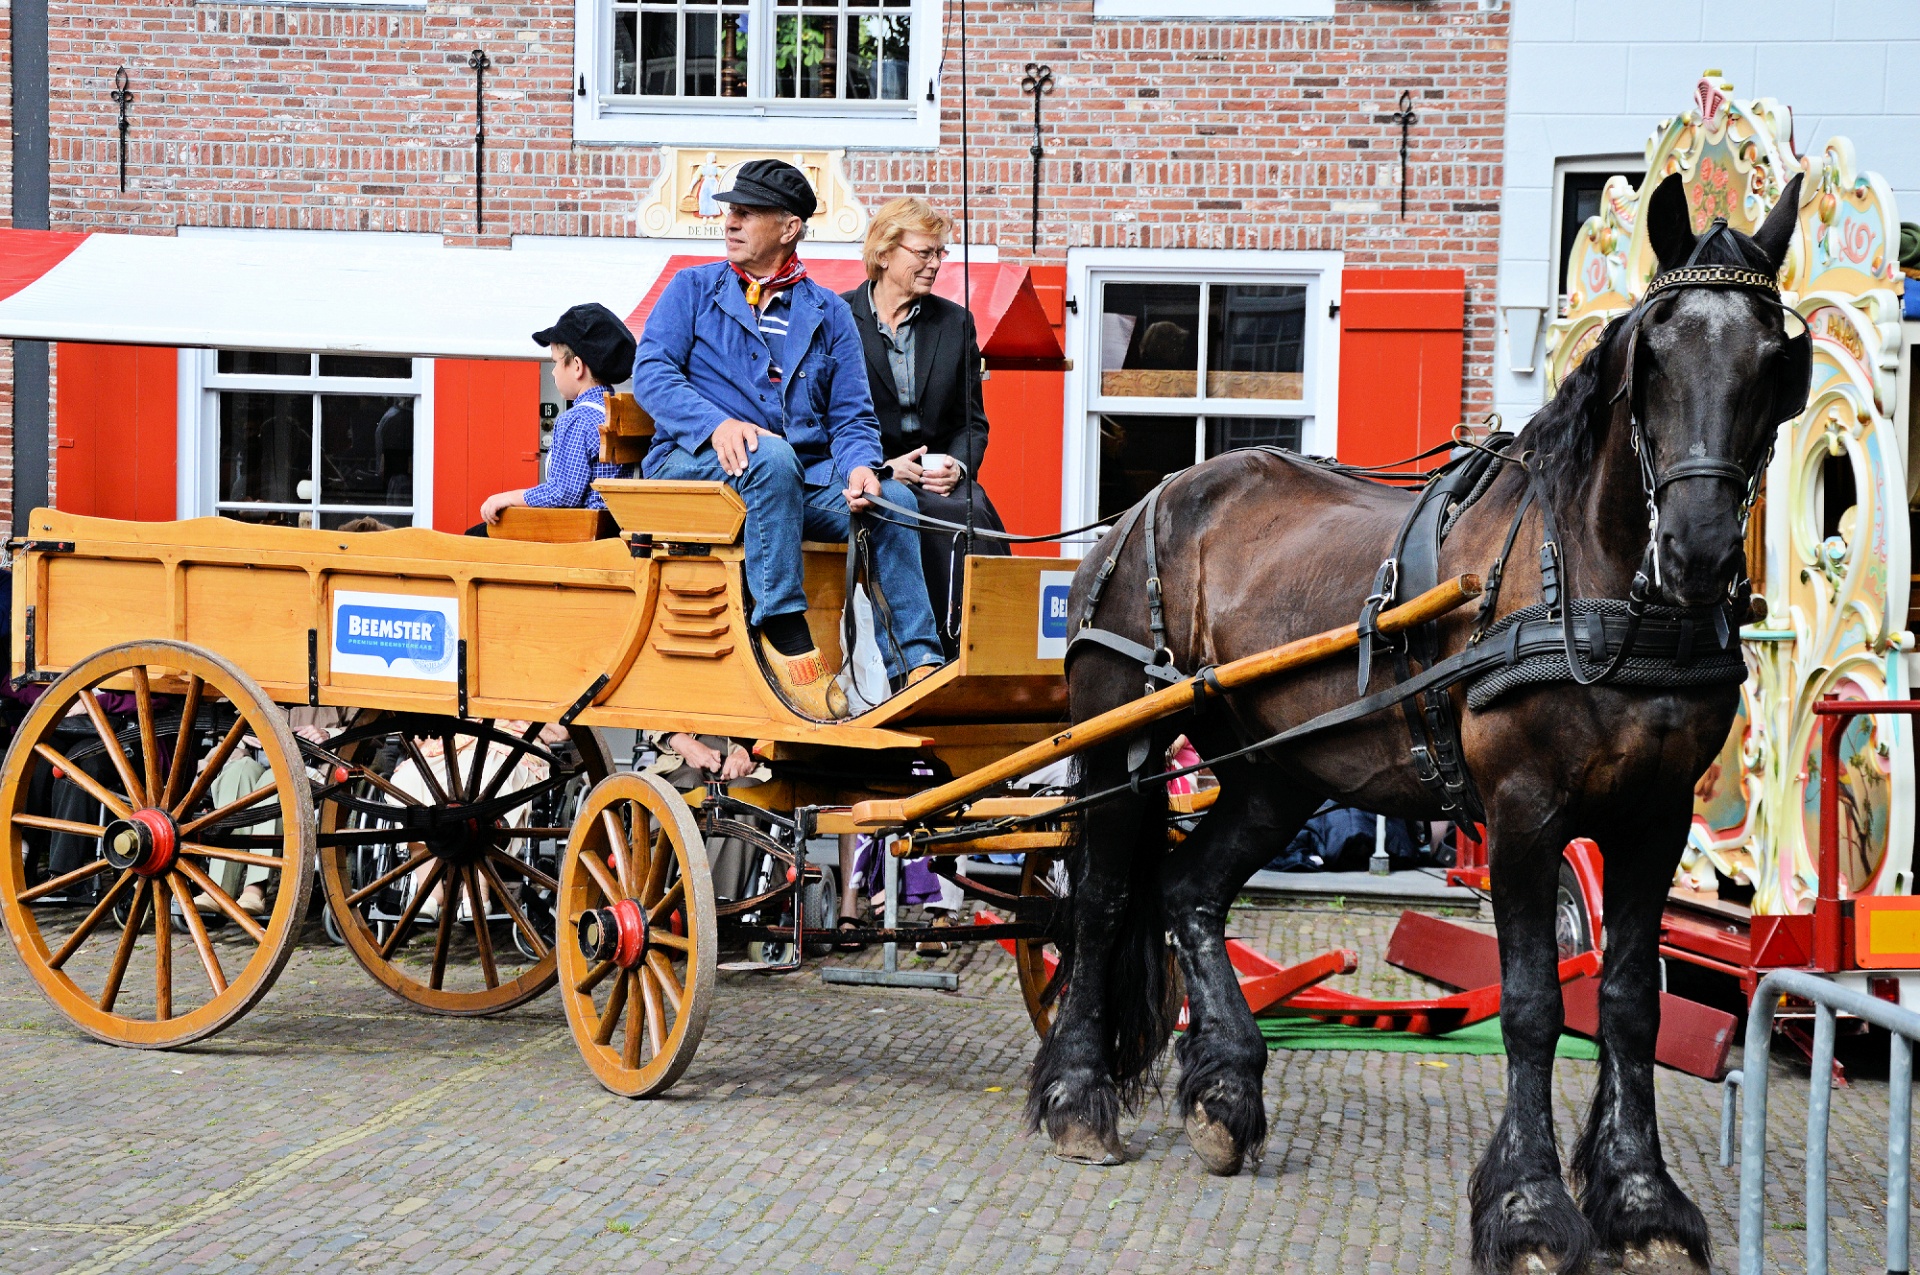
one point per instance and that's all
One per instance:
(1130, 717)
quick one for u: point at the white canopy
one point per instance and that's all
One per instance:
(298, 291)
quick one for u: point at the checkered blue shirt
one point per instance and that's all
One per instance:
(575, 461)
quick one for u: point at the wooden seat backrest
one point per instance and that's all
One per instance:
(626, 433)
(552, 526)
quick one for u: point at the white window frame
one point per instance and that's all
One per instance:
(1089, 268)
(198, 444)
(1188, 10)
(600, 116)
(1610, 165)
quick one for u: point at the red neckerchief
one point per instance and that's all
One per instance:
(791, 273)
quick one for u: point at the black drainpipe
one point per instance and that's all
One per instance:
(31, 383)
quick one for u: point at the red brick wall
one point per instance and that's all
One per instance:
(1159, 134)
(1271, 134)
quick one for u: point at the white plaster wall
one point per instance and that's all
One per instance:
(1593, 77)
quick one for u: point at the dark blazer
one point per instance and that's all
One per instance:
(946, 363)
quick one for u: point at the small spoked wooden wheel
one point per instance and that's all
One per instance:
(638, 943)
(440, 842)
(1043, 875)
(178, 789)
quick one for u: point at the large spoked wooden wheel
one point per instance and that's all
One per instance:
(637, 943)
(140, 944)
(440, 842)
(1043, 875)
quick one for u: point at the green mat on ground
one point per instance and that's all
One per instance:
(1481, 1038)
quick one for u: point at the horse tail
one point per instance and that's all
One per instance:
(1139, 999)
(1143, 988)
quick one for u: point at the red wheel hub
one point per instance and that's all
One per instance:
(617, 933)
(632, 943)
(147, 841)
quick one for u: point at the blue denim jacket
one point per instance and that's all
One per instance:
(702, 359)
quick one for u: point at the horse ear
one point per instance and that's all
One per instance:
(1777, 231)
(1669, 225)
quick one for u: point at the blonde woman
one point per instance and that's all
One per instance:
(923, 363)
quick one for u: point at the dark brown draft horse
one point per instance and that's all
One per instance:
(1256, 548)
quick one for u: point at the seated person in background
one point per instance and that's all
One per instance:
(690, 761)
(754, 376)
(923, 362)
(592, 352)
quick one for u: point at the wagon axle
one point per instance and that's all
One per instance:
(147, 841)
(618, 933)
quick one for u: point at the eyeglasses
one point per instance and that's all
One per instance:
(928, 255)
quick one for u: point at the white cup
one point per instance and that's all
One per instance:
(936, 462)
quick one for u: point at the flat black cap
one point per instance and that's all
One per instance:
(598, 336)
(771, 183)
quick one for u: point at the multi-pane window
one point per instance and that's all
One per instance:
(680, 48)
(313, 440)
(1191, 368)
(792, 50)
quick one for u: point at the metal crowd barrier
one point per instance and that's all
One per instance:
(1829, 999)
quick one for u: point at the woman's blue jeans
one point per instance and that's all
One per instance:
(783, 509)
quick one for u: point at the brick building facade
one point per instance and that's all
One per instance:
(1268, 142)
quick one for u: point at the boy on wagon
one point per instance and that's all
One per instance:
(754, 376)
(592, 352)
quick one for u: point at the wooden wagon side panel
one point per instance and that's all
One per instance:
(255, 616)
(113, 601)
(544, 642)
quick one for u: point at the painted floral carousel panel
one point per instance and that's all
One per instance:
(1834, 574)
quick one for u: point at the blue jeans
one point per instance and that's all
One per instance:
(783, 509)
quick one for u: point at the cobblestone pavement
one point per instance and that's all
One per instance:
(819, 1129)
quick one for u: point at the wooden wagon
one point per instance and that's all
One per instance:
(419, 714)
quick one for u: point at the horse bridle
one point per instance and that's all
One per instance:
(1647, 577)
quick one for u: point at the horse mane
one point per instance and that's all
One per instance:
(1564, 433)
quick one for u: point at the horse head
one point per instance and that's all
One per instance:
(1707, 370)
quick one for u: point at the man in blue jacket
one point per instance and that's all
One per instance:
(754, 375)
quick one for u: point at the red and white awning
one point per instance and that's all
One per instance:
(393, 294)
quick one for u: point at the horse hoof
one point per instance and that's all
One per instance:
(1213, 1144)
(1662, 1257)
(1538, 1263)
(1082, 1145)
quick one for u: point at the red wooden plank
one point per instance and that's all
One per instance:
(1693, 1038)
(1444, 952)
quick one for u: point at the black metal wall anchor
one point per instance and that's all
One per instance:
(1406, 119)
(123, 96)
(1039, 82)
(479, 61)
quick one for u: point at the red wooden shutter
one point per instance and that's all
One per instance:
(1022, 470)
(486, 434)
(117, 419)
(1402, 344)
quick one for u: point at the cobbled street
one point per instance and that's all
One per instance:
(818, 1129)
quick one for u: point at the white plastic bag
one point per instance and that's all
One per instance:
(863, 673)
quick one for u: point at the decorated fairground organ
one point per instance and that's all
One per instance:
(1828, 542)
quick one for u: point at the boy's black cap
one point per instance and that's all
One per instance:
(771, 183)
(598, 336)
